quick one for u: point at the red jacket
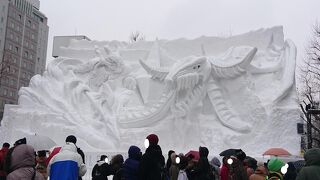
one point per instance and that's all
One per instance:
(3, 153)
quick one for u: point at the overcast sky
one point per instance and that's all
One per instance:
(171, 19)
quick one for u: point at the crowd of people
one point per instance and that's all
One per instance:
(21, 162)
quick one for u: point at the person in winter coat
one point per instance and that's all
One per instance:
(260, 173)
(203, 170)
(23, 164)
(152, 163)
(182, 166)
(168, 164)
(67, 164)
(3, 153)
(102, 169)
(174, 169)
(116, 166)
(130, 167)
(312, 167)
(215, 164)
(73, 139)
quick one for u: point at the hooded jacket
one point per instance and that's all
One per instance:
(67, 164)
(131, 165)
(312, 169)
(23, 164)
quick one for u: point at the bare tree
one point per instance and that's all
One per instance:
(310, 89)
(136, 36)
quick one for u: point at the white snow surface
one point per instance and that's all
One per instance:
(236, 92)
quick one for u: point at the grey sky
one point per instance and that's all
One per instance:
(171, 19)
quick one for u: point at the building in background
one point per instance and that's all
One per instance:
(23, 46)
(60, 42)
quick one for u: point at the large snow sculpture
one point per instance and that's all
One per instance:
(222, 93)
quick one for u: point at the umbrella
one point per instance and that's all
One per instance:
(40, 142)
(195, 155)
(276, 152)
(231, 152)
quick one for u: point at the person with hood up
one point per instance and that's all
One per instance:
(23, 164)
(311, 171)
(203, 170)
(102, 169)
(174, 169)
(131, 165)
(3, 153)
(274, 167)
(152, 163)
(260, 173)
(67, 164)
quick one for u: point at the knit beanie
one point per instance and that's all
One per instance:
(72, 139)
(153, 139)
(275, 164)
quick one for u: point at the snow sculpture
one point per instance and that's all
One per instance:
(223, 93)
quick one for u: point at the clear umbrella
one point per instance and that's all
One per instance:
(40, 142)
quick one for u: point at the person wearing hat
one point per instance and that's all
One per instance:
(312, 168)
(102, 169)
(152, 163)
(274, 167)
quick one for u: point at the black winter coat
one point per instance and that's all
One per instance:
(152, 164)
(101, 171)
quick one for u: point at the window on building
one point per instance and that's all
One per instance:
(18, 28)
(10, 47)
(17, 49)
(12, 25)
(33, 26)
(31, 56)
(24, 75)
(2, 19)
(5, 92)
(26, 54)
(8, 69)
(14, 60)
(20, 17)
(12, 82)
(32, 36)
(29, 23)
(17, 38)
(31, 46)
(27, 43)
(24, 64)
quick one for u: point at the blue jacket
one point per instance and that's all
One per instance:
(67, 164)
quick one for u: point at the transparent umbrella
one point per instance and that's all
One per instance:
(40, 142)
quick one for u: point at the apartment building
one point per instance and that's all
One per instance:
(23, 46)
